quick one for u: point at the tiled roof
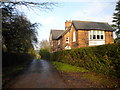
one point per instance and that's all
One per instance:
(56, 33)
(91, 25)
(85, 25)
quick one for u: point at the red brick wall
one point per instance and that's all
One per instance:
(70, 35)
(82, 38)
(109, 37)
(67, 24)
(55, 46)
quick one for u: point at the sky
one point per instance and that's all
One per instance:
(82, 10)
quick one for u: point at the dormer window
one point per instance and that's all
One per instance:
(67, 39)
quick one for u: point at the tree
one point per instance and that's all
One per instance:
(45, 54)
(19, 33)
(45, 49)
(44, 44)
(116, 19)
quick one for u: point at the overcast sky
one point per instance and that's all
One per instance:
(84, 10)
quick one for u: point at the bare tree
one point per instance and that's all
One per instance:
(44, 44)
(31, 5)
(10, 11)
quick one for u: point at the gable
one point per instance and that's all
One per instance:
(55, 33)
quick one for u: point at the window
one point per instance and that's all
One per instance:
(101, 36)
(67, 47)
(58, 42)
(96, 35)
(67, 39)
(74, 36)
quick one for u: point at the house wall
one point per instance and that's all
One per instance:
(82, 38)
(64, 40)
(70, 35)
(59, 47)
(109, 37)
(75, 43)
(55, 46)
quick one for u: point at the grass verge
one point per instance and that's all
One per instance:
(8, 73)
(102, 79)
(68, 68)
(96, 80)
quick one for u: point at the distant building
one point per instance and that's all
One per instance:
(79, 34)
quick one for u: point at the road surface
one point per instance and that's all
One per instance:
(40, 74)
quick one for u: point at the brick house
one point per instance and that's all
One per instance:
(79, 34)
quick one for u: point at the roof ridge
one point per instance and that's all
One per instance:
(88, 21)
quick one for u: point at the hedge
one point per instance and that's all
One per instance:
(101, 59)
(13, 59)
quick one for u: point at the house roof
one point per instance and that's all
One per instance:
(91, 25)
(79, 25)
(56, 33)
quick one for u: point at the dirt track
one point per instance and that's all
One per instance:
(40, 74)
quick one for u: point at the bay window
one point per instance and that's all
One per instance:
(96, 35)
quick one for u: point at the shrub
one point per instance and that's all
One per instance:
(45, 54)
(11, 59)
(101, 59)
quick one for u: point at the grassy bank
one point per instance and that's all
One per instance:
(77, 76)
(68, 68)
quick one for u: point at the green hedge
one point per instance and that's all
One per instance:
(13, 59)
(45, 54)
(101, 59)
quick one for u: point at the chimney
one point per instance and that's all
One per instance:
(67, 24)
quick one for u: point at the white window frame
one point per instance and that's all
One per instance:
(50, 36)
(67, 47)
(67, 39)
(93, 35)
(74, 36)
(58, 42)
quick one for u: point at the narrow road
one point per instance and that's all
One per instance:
(40, 74)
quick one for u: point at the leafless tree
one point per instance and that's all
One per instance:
(44, 44)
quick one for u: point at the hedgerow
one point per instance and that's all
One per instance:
(14, 59)
(101, 59)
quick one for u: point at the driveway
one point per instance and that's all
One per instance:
(40, 74)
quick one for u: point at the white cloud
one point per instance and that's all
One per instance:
(94, 12)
